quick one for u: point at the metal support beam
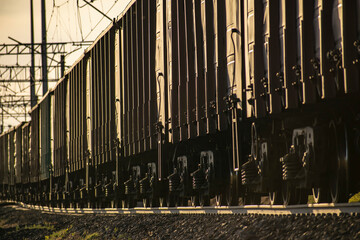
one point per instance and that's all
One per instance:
(24, 81)
(43, 48)
(2, 116)
(32, 69)
(25, 48)
(98, 10)
(27, 66)
(35, 50)
(62, 63)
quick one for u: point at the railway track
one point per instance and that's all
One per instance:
(307, 209)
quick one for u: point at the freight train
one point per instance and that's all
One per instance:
(181, 102)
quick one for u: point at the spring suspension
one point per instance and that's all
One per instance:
(198, 179)
(290, 166)
(174, 182)
(249, 172)
(108, 189)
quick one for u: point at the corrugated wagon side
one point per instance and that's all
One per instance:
(46, 144)
(76, 130)
(302, 80)
(25, 163)
(11, 161)
(137, 89)
(3, 166)
(100, 77)
(203, 44)
(18, 161)
(34, 163)
(60, 150)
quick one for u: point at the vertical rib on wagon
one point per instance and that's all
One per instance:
(172, 61)
(34, 157)
(145, 74)
(219, 64)
(199, 69)
(11, 159)
(305, 46)
(182, 74)
(26, 154)
(253, 17)
(287, 38)
(152, 82)
(161, 83)
(190, 68)
(60, 146)
(207, 19)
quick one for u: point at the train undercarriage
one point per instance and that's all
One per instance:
(290, 159)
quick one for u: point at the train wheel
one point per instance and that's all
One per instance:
(170, 200)
(316, 192)
(123, 203)
(230, 195)
(184, 202)
(219, 200)
(177, 201)
(162, 202)
(252, 199)
(295, 196)
(153, 202)
(145, 202)
(320, 195)
(288, 194)
(230, 198)
(301, 196)
(338, 155)
(274, 198)
(204, 200)
(129, 202)
(194, 201)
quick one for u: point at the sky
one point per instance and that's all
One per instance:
(66, 20)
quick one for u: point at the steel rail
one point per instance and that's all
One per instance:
(305, 209)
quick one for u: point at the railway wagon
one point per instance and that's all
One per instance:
(199, 56)
(85, 153)
(192, 100)
(46, 138)
(41, 141)
(34, 161)
(249, 84)
(302, 84)
(25, 163)
(18, 161)
(136, 106)
(10, 161)
(100, 115)
(60, 150)
(4, 176)
(76, 129)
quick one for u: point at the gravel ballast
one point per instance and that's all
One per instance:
(16, 223)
